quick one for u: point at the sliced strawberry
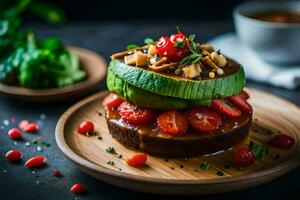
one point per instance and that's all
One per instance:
(222, 107)
(134, 115)
(204, 119)
(172, 122)
(112, 100)
(240, 102)
(244, 95)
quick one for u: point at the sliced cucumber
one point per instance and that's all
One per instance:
(179, 87)
(142, 98)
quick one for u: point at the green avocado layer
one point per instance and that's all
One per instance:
(179, 87)
(142, 98)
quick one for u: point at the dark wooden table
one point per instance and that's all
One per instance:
(17, 182)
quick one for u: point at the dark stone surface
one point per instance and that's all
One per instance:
(17, 182)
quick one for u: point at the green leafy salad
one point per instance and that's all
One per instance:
(35, 63)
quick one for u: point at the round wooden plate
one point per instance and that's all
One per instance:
(92, 63)
(272, 115)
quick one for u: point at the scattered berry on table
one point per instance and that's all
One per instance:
(36, 161)
(13, 155)
(14, 134)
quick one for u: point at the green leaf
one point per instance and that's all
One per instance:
(179, 45)
(149, 41)
(258, 150)
(191, 37)
(204, 166)
(14, 9)
(132, 46)
(191, 59)
(111, 150)
(48, 12)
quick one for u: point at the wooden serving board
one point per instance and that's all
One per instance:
(91, 62)
(272, 115)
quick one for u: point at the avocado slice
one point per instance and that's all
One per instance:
(145, 99)
(179, 87)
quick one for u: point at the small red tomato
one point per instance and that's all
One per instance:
(36, 161)
(56, 173)
(31, 128)
(221, 106)
(23, 124)
(112, 101)
(243, 157)
(282, 141)
(204, 119)
(133, 115)
(13, 155)
(172, 122)
(86, 128)
(166, 48)
(14, 133)
(137, 160)
(78, 188)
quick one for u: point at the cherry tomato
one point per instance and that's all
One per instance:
(86, 128)
(282, 141)
(137, 160)
(14, 134)
(172, 122)
(134, 115)
(243, 157)
(23, 123)
(31, 128)
(112, 101)
(78, 188)
(244, 95)
(166, 48)
(13, 155)
(204, 119)
(36, 161)
(241, 103)
(222, 107)
(56, 173)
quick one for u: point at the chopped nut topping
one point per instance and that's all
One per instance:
(207, 47)
(192, 71)
(152, 50)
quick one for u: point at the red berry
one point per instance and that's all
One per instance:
(31, 128)
(14, 134)
(13, 120)
(137, 160)
(172, 122)
(13, 155)
(133, 115)
(23, 124)
(282, 141)
(221, 106)
(78, 188)
(36, 161)
(86, 128)
(240, 102)
(56, 173)
(165, 47)
(243, 157)
(112, 101)
(204, 119)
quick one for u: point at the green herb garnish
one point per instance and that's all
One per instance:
(258, 150)
(149, 41)
(132, 46)
(179, 44)
(220, 173)
(111, 150)
(204, 166)
(196, 54)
